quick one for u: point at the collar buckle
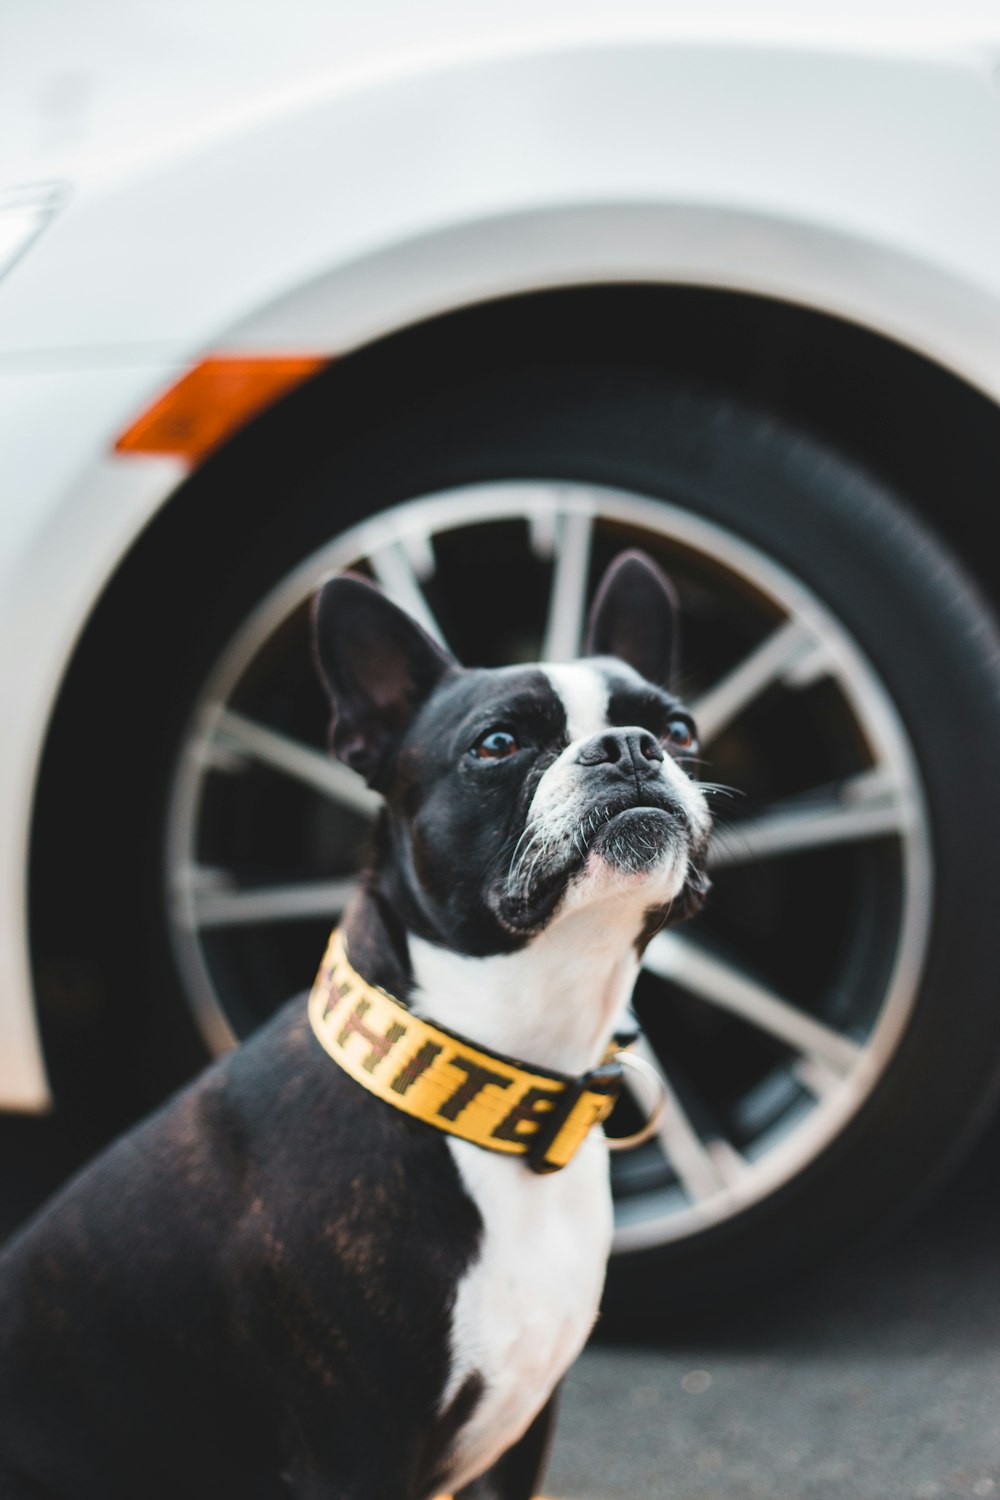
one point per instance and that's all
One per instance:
(606, 1079)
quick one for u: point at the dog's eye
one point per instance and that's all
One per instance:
(681, 734)
(496, 745)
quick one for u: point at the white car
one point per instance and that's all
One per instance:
(472, 297)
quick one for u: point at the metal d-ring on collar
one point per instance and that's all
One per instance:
(645, 1070)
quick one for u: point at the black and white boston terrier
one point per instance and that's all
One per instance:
(281, 1285)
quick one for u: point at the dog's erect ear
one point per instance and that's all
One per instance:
(378, 665)
(635, 616)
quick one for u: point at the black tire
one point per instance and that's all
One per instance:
(882, 574)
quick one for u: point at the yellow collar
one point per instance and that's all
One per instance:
(446, 1081)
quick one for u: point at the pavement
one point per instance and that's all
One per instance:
(875, 1381)
(879, 1380)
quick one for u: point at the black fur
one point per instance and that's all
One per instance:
(253, 1284)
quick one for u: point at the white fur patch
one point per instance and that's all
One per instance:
(583, 692)
(554, 1003)
(524, 1310)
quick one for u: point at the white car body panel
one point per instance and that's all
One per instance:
(304, 179)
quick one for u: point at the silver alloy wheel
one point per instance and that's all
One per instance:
(827, 1069)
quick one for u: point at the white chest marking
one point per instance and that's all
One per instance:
(524, 1309)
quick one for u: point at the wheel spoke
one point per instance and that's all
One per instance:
(400, 568)
(209, 904)
(819, 1080)
(866, 806)
(291, 758)
(680, 1143)
(721, 983)
(791, 653)
(730, 1165)
(543, 518)
(568, 595)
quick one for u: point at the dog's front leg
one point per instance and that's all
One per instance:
(517, 1474)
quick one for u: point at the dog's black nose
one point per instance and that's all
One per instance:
(633, 749)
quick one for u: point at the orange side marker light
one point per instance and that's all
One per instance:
(212, 401)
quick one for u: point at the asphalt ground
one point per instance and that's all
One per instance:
(878, 1380)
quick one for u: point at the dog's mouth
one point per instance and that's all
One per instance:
(635, 838)
(631, 838)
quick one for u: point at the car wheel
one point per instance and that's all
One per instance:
(827, 1028)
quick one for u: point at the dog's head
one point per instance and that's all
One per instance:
(516, 796)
